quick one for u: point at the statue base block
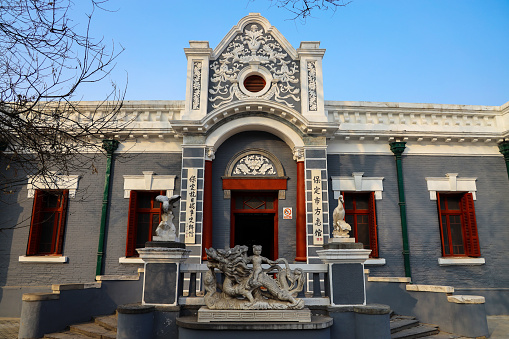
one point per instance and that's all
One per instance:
(341, 240)
(207, 315)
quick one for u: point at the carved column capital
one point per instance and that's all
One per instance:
(298, 153)
(210, 153)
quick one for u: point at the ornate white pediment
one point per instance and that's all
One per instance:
(253, 52)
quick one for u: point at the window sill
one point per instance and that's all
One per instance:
(375, 262)
(133, 260)
(465, 261)
(44, 259)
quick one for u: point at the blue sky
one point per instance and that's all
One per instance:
(422, 51)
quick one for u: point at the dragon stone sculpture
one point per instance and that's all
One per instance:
(251, 288)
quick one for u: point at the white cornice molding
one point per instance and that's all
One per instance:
(274, 109)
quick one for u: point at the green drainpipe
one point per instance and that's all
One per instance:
(397, 147)
(504, 149)
(110, 146)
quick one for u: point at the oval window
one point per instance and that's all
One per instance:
(254, 83)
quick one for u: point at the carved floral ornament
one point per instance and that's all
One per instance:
(254, 52)
(254, 162)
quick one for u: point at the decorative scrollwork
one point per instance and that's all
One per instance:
(312, 85)
(254, 164)
(254, 46)
(196, 84)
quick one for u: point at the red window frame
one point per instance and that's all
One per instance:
(133, 220)
(352, 214)
(47, 220)
(466, 215)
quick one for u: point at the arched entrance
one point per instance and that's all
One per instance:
(254, 180)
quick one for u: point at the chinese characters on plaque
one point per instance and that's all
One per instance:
(192, 189)
(316, 196)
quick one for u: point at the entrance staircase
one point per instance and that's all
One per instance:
(103, 327)
(404, 327)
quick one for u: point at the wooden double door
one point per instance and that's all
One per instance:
(254, 221)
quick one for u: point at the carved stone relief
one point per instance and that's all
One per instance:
(254, 164)
(312, 85)
(254, 52)
(196, 84)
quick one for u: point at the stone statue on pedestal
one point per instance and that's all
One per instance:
(341, 227)
(166, 230)
(241, 288)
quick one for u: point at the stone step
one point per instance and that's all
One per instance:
(419, 331)
(400, 323)
(93, 330)
(109, 322)
(66, 335)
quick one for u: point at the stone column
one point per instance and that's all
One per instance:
(300, 225)
(192, 202)
(317, 200)
(346, 271)
(161, 283)
(207, 202)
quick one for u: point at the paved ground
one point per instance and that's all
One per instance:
(498, 326)
(9, 328)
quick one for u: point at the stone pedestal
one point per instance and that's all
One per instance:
(207, 315)
(162, 269)
(346, 271)
(135, 321)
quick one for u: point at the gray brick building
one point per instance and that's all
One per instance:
(258, 155)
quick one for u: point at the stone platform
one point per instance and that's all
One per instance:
(317, 328)
(206, 315)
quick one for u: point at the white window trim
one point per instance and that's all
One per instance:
(358, 183)
(450, 183)
(60, 182)
(134, 260)
(464, 261)
(149, 181)
(43, 259)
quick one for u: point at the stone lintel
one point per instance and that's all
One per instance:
(207, 315)
(406, 280)
(430, 288)
(69, 287)
(343, 245)
(466, 299)
(344, 256)
(40, 296)
(163, 254)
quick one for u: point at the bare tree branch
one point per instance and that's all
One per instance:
(303, 8)
(44, 59)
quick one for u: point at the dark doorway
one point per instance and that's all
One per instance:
(255, 229)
